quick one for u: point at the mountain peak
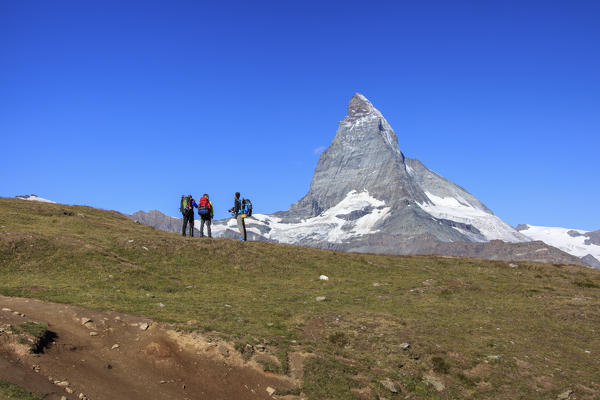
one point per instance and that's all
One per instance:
(360, 106)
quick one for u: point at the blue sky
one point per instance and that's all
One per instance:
(126, 105)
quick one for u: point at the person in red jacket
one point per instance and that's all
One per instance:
(205, 211)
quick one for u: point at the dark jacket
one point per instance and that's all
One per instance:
(237, 206)
(191, 208)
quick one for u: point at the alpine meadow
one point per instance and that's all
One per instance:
(316, 200)
(380, 326)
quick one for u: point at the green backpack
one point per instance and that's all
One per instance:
(184, 205)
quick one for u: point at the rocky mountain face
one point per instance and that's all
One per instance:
(364, 156)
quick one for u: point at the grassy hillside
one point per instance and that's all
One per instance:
(483, 329)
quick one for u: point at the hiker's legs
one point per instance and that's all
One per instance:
(191, 218)
(208, 224)
(184, 224)
(241, 226)
(202, 227)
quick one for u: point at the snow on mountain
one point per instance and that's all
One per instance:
(33, 197)
(577, 242)
(460, 210)
(356, 215)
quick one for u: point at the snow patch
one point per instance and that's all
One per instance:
(33, 197)
(560, 238)
(328, 226)
(459, 210)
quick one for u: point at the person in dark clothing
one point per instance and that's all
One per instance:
(236, 211)
(205, 205)
(188, 215)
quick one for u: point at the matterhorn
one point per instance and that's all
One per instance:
(366, 196)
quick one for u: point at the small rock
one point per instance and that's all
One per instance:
(435, 382)
(227, 305)
(85, 320)
(376, 284)
(161, 305)
(16, 312)
(565, 395)
(81, 215)
(93, 333)
(270, 390)
(405, 346)
(320, 298)
(63, 398)
(269, 324)
(130, 241)
(117, 318)
(189, 287)
(6, 309)
(389, 385)
(260, 347)
(82, 396)
(513, 265)
(114, 346)
(144, 326)
(145, 248)
(69, 390)
(224, 351)
(324, 277)
(493, 357)
(62, 383)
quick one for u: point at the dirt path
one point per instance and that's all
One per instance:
(107, 355)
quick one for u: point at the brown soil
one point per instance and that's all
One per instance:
(156, 363)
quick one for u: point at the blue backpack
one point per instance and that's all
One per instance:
(246, 207)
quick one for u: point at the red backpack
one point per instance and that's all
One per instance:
(204, 207)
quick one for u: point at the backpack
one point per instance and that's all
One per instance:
(184, 206)
(246, 208)
(204, 207)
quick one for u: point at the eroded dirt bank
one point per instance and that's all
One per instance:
(108, 355)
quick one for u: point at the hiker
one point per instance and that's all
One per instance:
(187, 210)
(236, 210)
(205, 211)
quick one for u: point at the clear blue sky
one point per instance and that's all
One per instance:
(126, 105)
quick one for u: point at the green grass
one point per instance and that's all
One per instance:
(10, 391)
(34, 329)
(38, 333)
(454, 312)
